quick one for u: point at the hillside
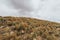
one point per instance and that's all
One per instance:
(22, 28)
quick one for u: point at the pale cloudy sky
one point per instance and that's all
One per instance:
(42, 9)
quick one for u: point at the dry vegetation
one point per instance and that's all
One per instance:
(22, 28)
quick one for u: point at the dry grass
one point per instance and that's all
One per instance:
(22, 28)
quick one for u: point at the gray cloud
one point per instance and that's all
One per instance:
(42, 9)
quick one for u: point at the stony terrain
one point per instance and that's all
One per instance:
(22, 28)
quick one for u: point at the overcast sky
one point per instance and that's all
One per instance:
(43, 9)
